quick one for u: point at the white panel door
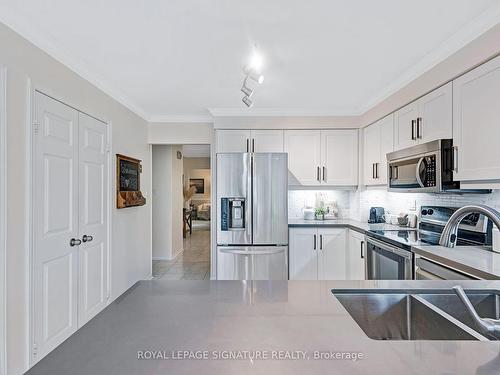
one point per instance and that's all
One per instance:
(303, 251)
(233, 140)
(405, 126)
(332, 262)
(435, 114)
(476, 125)
(371, 155)
(304, 156)
(55, 262)
(386, 146)
(267, 140)
(339, 149)
(356, 256)
(93, 252)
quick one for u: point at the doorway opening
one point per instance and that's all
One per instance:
(182, 212)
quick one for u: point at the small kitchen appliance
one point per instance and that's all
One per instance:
(376, 215)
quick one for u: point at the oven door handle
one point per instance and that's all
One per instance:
(417, 172)
(393, 249)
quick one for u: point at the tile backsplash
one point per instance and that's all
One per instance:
(298, 199)
(356, 204)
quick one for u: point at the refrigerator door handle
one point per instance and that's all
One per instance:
(252, 252)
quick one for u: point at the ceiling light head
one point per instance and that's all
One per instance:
(247, 101)
(245, 90)
(257, 77)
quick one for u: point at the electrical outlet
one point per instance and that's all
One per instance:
(412, 204)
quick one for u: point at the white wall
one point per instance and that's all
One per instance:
(162, 201)
(180, 133)
(167, 202)
(130, 233)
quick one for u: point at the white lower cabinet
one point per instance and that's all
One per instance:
(356, 256)
(318, 253)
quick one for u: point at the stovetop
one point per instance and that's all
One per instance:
(407, 238)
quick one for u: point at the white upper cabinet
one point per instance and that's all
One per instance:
(426, 119)
(328, 157)
(339, 155)
(405, 121)
(378, 141)
(435, 120)
(249, 140)
(267, 140)
(304, 156)
(476, 123)
(233, 140)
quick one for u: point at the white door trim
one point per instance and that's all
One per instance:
(31, 89)
(3, 221)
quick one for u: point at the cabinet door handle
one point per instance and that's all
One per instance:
(419, 127)
(253, 144)
(373, 170)
(324, 174)
(376, 170)
(248, 146)
(314, 242)
(413, 130)
(361, 245)
(75, 242)
(455, 159)
(318, 174)
(321, 242)
(86, 238)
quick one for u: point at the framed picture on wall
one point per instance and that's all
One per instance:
(199, 184)
(128, 182)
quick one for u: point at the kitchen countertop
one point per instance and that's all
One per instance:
(353, 224)
(474, 260)
(292, 316)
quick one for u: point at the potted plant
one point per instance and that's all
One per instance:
(320, 213)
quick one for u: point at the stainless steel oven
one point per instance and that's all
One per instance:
(427, 167)
(385, 261)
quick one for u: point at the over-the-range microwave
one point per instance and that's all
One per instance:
(425, 168)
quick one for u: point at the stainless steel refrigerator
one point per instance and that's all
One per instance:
(252, 216)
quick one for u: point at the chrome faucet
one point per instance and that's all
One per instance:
(449, 235)
(486, 326)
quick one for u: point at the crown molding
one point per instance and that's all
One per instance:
(180, 118)
(29, 33)
(460, 39)
(279, 112)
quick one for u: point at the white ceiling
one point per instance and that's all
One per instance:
(176, 59)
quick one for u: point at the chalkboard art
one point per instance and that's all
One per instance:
(129, 176)
(128, 182)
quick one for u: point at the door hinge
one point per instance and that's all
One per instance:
(108, 149)
(35, 128)
(35, 350)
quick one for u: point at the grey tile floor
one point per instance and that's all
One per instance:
(194, 262)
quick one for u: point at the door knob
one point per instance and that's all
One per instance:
(74, 242)
(86, 238)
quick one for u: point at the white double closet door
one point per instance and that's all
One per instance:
(70, 257)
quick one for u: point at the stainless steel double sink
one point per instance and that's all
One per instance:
(418, 314)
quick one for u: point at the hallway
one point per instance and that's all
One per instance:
(194, 262)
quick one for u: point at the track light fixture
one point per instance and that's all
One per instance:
(252, 71)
